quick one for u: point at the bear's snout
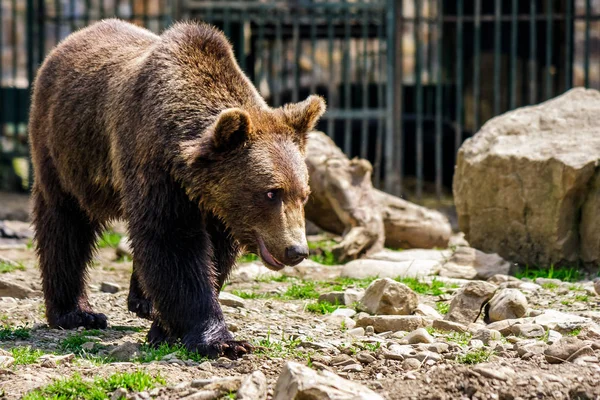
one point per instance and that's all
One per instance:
(295, 254)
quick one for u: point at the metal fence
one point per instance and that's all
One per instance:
(406, 81)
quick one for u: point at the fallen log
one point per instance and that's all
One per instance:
(344, 201)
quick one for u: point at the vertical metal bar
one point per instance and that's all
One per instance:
(132, 9)
(381, 70)
(58, 20)
(30, 69)
(86, 15)
(145, 11)
(364, 144)
(549, 44)
(569, 45)
(262, 50)
(242, 39)
(227, 22)
(101, 5)
(116, 7)
(346, 78)
(497, 53)
(72, 26)
(397, 84)
(513, 55)
(586, 56)
(331, 80)
(477, 64)
(392, 107)
(278, 62)
(532, 52)
(15, 71)
(313, 49)
(297, 50)
(459, 75)
(41, 39)
(438, 102)
(418, 100)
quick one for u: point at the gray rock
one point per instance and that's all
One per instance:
(299, 382)
(219, 385)
(399, 352)
(388, 297)
(311, 270)
(418, 336)
(109, 287)
(553, 336)
(559, 321)
(253, 387)
(468, 302)
(356, 332)
(487, 336)
(515, 180)
(231, 300)
(352, 368)
(440, 348)
(6, 361)
(567, 349)
(528, 330)
(500, 278)
(494, 372)
(124, 248)
(530, 347)
(506, 304)
(352, 296)
(469, 263)
(12, 289)
(120, 393)
(427, 311)
(125, 352)
(332, 297)
(346, 312)
(449, 326)
(366, 268)
(393, 323)
(411, 364)
(366, 358)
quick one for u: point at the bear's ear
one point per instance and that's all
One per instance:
(231, 129)
(303, 116)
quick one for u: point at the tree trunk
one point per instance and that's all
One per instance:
(343, 201)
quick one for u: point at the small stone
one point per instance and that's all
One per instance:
(494, 372)
(418, 336)
(530, 347)
(206, 366)
(399, 352)
(332, 297)
(356, 332)
(12, 289)
(6, 361)
(352, 296)
(468, 302)
(567, 349)
(253, 387)
(411, 364)
(392, 323)
(428, 355)
(487, 336)
(427, 311)
(231, 300)
(125, 352)
(505, 327)
(439, 348)
(369, 330)
(553, 336)
(528, 330)
(388, 297)
(506, 304)
(353, 368)
(476, 343)
(88, 346)
(109, 287)
(449, 326)
(346, 312)
(562, 322)
(365, 358)
(120, 393)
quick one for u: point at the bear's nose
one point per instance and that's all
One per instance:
(295, 254)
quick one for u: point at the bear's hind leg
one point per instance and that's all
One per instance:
(65, 239)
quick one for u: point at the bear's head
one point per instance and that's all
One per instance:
(254, 178)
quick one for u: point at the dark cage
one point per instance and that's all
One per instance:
(406, 81)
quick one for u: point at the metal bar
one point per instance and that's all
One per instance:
(296, 63)
(313, 60)
(380, 100)
(278, 63)
(132, 9)
(341, 113)
(364, 144)
(101, 6)
(497, 53)
(262, 49)
(145, 11)
(41, 33)
(72, 25)
(331, 80)
(532, 54)
(392, 107)
(569, 45)
(347, 87)
(30, 70)
(438, 102)
(227, 22)
(86, 14)
(586, 59)
(419, 100)
(477, 64)
(57, 12)
(549, 44)
(459, 76)
(242, 39)
(513, 56)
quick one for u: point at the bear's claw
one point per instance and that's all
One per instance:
(75, 319)
(141, 307)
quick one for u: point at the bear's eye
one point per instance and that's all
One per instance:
(273, 195)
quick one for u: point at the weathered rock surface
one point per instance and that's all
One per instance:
(567, 349)
(394, 323)
(298, 382)
(470, 263)
(13, 289)
(388, 297)
(527, 186)
(254, 387)
(468, 302)
(506, 304)
(368, 268)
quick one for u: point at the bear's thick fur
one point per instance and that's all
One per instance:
(169, 134)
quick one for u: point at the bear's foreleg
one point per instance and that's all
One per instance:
(225, 249)
(137, 301)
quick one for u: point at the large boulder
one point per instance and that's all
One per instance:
(527, 186)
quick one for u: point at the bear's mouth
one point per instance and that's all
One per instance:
(270, 262)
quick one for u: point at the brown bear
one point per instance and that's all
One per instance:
(168, 133)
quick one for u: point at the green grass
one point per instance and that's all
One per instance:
(301, 291)
(74, 343)
(475, 356)
(286, 347)
(122, 328)
(434, 288)
(462, 339)
(371, 346)
(566, 302)
(109, 239)
(550, 286)
(9, 267)
(341, 284)
(442, 307)
(26, 355)
(322, 307)
(320, 251)
(76, 388)
(246, 258)
(582, 297)
(250, 295)
(14, 333)
(158, 353)
(574, 332)
(564, 273)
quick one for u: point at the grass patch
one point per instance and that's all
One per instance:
(74, 343)
(26, 355)
(582, 297)
(564, 273)
(566, 302)
(475, 356)
(76, 388)
(246, 258)
(442, 307)
(341, 284)
(10, 267)
(574, 332)
(320, 251)
(462, 339)
(121, 328)
(303, 291)
(434, 288)
(11, 333)
(322, 307)
(550, 286)
(109, 239)
(158, 353)
(278, 348)
(249, 295)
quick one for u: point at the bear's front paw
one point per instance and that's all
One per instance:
(140, 306)
(231, 349)
(75, 319)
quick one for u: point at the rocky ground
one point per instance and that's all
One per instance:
(320, 332)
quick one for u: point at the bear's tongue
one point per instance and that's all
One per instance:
(268, 258)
